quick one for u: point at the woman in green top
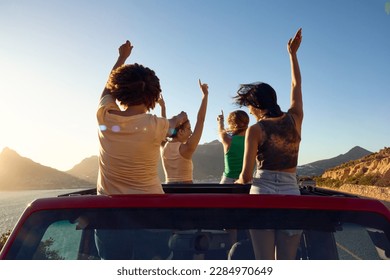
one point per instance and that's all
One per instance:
(232, 140)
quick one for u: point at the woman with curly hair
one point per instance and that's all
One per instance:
(130, 137)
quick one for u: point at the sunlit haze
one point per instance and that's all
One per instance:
(56, 56)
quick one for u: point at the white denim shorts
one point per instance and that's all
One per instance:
(226, 180)
(274, 182)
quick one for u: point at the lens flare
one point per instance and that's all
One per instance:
(115, 128)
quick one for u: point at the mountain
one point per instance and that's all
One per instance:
(20, 173)
(207, 160)
(373, 169)
(317, 168)
(87, 169)
(208, 164)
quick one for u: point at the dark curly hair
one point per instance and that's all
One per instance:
(134, 84)
(259, 95)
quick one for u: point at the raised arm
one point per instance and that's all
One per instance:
(223, 136)
(161, 102)
(124, 52)
(296, 107)
(190, 146)
(176, 121)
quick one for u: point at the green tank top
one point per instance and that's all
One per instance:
(234, 157)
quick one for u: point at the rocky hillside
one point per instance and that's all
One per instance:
(317, 168)
(373, 169)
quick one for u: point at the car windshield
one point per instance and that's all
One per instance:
(196, 233)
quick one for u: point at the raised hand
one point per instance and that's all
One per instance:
(220, 117)
(294, 43)
(125, 50)
(204, 88)
(161, 101)
(182, 117)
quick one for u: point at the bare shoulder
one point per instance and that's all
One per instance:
(255, 132)
(255, 128)
(225, 137)
(298, 119)
(297, 114)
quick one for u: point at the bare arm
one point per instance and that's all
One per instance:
(223, 136)
(296, 107)
(161, 102)
(124, 52)
(253, 137)
(189, 148)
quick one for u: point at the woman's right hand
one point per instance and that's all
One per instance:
(182, 117)
(161, 101)
(220, 118)
(125, 50)
(204, 88)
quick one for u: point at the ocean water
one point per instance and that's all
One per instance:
(13, 203)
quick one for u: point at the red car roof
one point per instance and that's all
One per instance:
(210, 201)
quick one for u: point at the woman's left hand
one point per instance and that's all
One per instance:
(294, 43)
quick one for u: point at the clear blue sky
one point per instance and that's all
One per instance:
(56, 55)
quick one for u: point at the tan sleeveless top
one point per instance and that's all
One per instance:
(176, 167)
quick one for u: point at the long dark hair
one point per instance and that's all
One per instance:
(259, 95)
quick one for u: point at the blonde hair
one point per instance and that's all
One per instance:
(238, 121)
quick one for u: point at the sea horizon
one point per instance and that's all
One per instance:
(14, 202)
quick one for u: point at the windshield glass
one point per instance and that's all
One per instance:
(197, 234)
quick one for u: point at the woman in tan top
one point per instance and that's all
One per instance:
(129, 136)
(177, 153)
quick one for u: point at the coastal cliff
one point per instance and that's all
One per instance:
(368, 176)
(373, 169)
